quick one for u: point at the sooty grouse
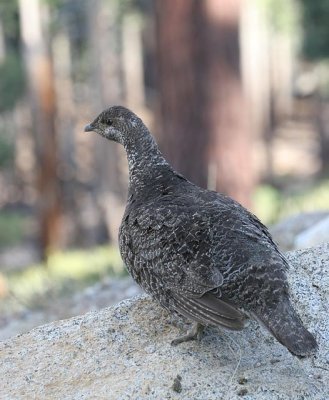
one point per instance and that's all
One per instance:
(199, 253)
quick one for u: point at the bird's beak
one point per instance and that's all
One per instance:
(89, 128)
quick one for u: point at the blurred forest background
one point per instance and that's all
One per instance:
(235, 91)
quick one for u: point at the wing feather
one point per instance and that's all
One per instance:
(209, 310)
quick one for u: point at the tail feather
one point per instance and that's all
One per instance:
(286, 326)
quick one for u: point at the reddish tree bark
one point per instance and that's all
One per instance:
(42, 102)
(205, 130)
(225, 108)
(183, 139)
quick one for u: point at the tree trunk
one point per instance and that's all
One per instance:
(42, 102)
(226, 113)
(183, 138)
(203, 110)
(322, 125)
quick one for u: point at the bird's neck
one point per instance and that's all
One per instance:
(145, 161)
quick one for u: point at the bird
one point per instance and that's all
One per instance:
(199, 253)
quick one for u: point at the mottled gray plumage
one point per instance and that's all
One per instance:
(198, 252)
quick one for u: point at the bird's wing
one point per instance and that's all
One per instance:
(210, 310)
(243, 231)
(175, 244)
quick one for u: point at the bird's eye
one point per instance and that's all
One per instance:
(107, 121)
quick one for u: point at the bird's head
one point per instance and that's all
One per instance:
(115, 123)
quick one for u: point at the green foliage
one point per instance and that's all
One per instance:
(271, 205)
(9, 19)
(315, 20)
(282, 14)
(266, 200)
(12, 228)
(11, 81)
(65, 272)
(85, 264)
(57, 3)
(6, 151)
(313, 198)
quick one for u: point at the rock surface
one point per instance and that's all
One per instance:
(286, 231)
(318, 233)
(124, 352)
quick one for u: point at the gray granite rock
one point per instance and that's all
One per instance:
(286, 231)
(316, 234)
(124, 352)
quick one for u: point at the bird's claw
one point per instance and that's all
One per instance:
(194, 334)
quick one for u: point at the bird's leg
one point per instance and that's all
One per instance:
(194, 334)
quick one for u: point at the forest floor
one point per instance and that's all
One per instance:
(25, 316)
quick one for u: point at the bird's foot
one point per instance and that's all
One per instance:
(194, 334)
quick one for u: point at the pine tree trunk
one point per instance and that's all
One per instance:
(225, 107)
(183, 140)
(205, 132)
(42, 103)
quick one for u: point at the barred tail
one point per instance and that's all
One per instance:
(286, 326)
